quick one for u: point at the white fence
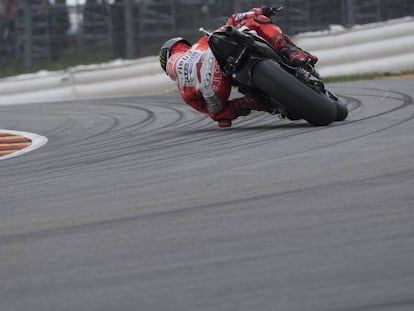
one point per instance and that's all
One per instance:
(384, 47)
(380, 47)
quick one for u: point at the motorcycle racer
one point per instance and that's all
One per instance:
(201, 83)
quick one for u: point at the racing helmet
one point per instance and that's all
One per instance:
(165, 50)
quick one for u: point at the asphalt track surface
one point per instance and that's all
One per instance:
(143, 204)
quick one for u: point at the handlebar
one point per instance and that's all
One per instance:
(276, 9)
(270, 11)
(240, 36)
(233, 31)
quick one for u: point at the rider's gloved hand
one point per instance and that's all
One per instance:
(243, 106)
(224, 117)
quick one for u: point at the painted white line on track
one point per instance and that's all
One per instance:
(37, 142)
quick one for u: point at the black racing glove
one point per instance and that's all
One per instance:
(268, 11)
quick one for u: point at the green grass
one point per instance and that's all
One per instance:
(367, 76)
(11, 69)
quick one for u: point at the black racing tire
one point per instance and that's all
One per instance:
(342, 111)
(294, 95)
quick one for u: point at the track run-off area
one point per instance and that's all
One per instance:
(141, 203)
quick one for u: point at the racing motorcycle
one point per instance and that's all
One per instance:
(263, 73)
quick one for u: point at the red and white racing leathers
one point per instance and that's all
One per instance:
(255, 20)
(202, 85)
(200, 81)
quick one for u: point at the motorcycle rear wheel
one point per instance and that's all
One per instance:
(342, 111)
(294, 95)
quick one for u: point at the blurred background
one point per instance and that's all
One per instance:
(51, 35)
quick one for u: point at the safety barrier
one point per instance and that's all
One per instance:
(142, 76)
(382, 47)
(379, 47)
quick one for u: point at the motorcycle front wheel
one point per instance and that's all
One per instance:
(294, 95)
(342, 111)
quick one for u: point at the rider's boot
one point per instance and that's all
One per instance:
(295, 55)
